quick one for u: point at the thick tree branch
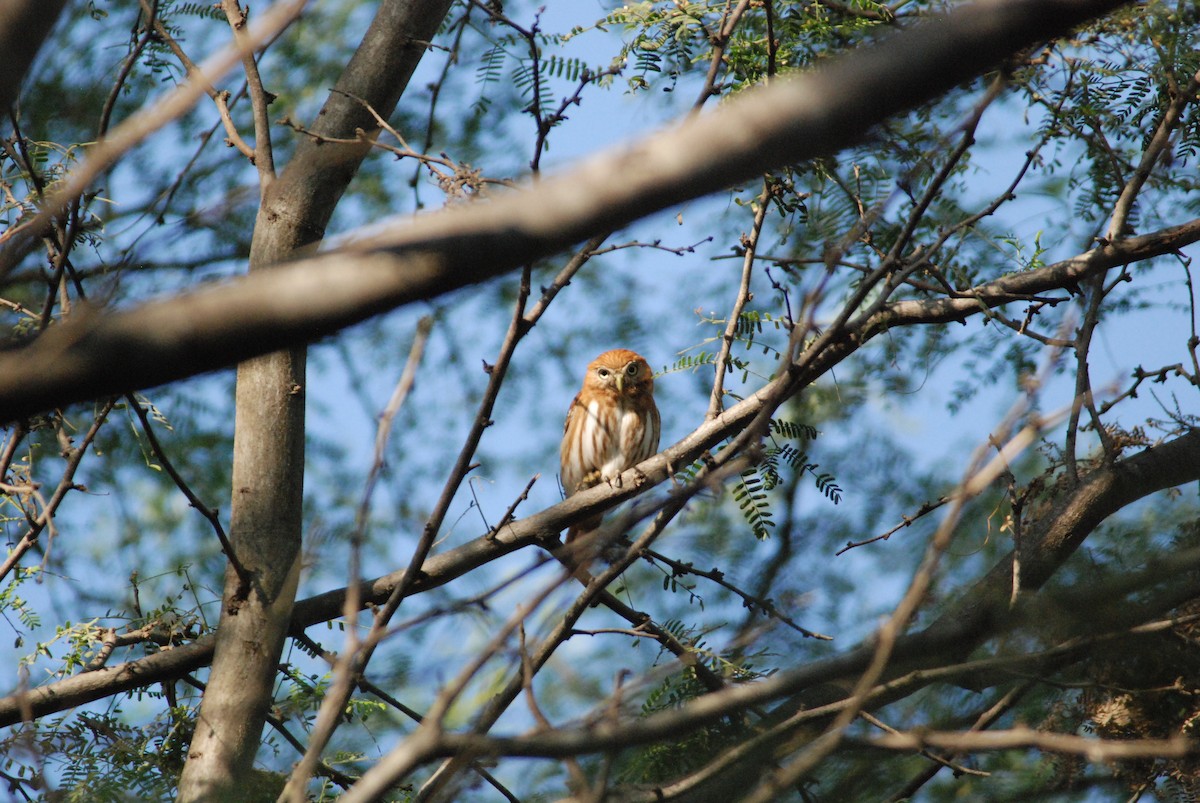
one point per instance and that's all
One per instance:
(793, 120)
(200, 331)
(971, 620)
(1095, 750)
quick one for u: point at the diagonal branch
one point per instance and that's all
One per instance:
(793, 120)
(973, 618)
(18, 241)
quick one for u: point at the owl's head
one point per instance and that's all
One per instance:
(620, 372)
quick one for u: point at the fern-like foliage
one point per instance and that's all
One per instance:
(754, 485)
(525, 66)
(569, 69)
(750, 495)
(99, 757)
(701, 359)
(11, 601)
(673, 758)
(798, 461)
(210, 11)
(793, 430)
(752, 490)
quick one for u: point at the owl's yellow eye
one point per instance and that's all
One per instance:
(632, 369)
(603, 372)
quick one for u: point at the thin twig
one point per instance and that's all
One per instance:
(208, 513)
(905, 521)
(716, 399)
(45, 519)
(680, 568)
(936, 759)
(156, 113)
(220, 99)
(353, 660)
(260, 99)
(985, 720)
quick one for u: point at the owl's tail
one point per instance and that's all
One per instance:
(582, 528)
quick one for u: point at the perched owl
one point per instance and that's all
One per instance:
(612, 425)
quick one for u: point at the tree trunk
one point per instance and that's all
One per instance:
(268, 455)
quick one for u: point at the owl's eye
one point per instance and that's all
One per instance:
(603, 372)
(632, 369)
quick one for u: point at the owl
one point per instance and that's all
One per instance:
(612, 425)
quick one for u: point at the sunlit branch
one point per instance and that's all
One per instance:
(790, 121)
(220, 98)
(1095, 750)
(367, 686)
(263, 158)
(17, 241)
(716, 399)
(958, 769)
(356, 656)
(967, 621)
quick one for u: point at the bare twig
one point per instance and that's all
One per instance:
(679, 568)
(716, 400)
(977, 477)
(1167, 465)
(936, 759)
(220, 99)
(208, 513)
(984, 720)
(905, 521)
(17, 241)
(260, 99)
(45, 518)
(353, 659)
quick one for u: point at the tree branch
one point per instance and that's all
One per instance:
(793, 120)
(957, 632)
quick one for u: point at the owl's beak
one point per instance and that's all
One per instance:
(621, 382)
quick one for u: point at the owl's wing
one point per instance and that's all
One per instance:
(571, 413)
(571, 472)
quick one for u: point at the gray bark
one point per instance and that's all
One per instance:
(268, 459)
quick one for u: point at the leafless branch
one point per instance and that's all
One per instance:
(716, 400)
(263, 158)
(1094, 750)
(18, 240)
(355, 657)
